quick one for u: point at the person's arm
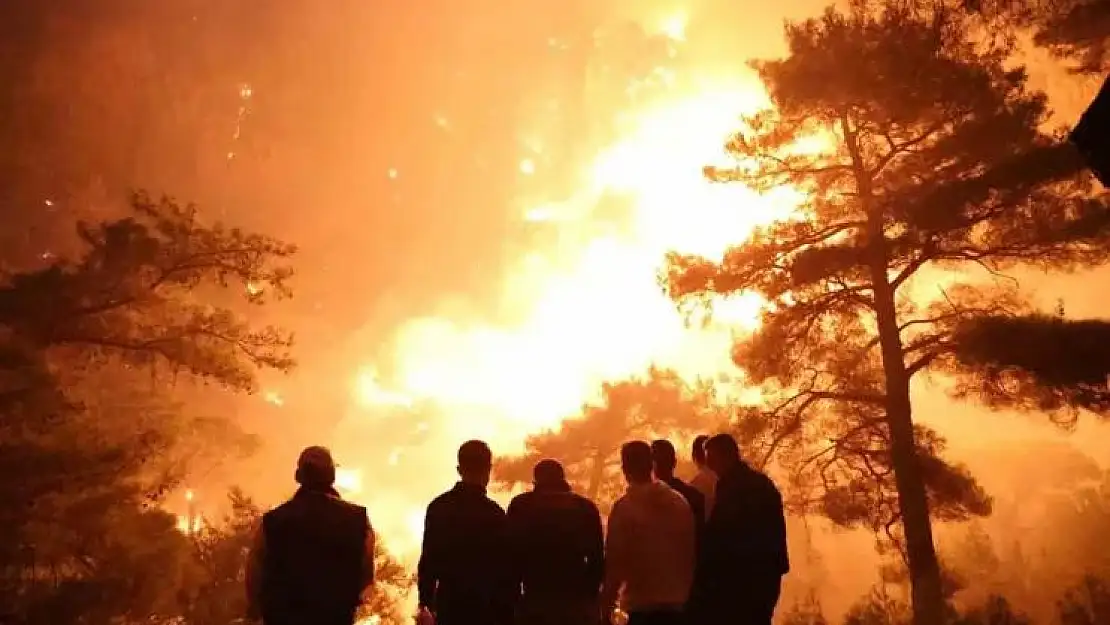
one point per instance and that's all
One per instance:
(368, 555)
(595, 548)
(256, 560)
(720, 548)
(508, 591)
(515, 536)
(696, 499)
(778, 531)
(430, 565)
(710, 494)
(686, 521)
(616, 560)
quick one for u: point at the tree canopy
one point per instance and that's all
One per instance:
(1077, 31)
(658, 405)
(95, 353)
(906, 133)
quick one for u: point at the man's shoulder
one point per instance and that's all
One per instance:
(442, 501)
(350, 507)
(620, 506)
(687, 490)
(585, 503)
(522, 500)
(336, 505)
(703, 476)
(755, 479)
(493, 507)
(677, 498)
(769, 488)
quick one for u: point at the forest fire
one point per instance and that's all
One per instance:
(386, 229)
(588, 310)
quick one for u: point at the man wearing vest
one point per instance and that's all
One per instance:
(313, 557)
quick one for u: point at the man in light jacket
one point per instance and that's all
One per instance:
(649, 550)
(705, 480)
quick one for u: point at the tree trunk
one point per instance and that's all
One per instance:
(925, 580)
(597, 476)
(927, 595)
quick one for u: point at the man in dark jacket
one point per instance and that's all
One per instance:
(314, 555)
(558, 551)
(1092, 134)
(743, 552)
(464, 576)
(664, 459)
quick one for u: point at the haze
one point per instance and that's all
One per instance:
(478, 250)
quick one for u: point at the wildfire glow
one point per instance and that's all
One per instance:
(348, 481)
(369, 392)
(582, 309)
(591, 310)
(272, 397)
(674, 26)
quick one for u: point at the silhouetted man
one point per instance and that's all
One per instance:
(649, 551)
(1092, 135)
(314, 555)
(558, 551)
(705, 480)
(743, 553)
(464, 577)
(665, 459)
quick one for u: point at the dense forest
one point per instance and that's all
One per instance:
(132, 324)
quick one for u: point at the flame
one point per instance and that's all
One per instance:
(348, 481)
(370, 393)
(593, 311)
(674, 26)
(582, 310)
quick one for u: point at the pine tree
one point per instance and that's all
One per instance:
(932, 142)
(659, 404)
(92, 430)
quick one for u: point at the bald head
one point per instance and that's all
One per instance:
(315, 468)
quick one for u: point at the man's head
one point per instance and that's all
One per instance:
(549, 475)
(315, 468)
(475, 463)
(636, 462)
(721, 453)
(697, 451)
(664, 459)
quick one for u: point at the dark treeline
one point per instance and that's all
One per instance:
(128, 324)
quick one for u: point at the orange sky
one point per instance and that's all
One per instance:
(449, 258)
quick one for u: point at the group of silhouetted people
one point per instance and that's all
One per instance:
(708, 552)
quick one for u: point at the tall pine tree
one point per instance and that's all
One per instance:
(931, 141)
